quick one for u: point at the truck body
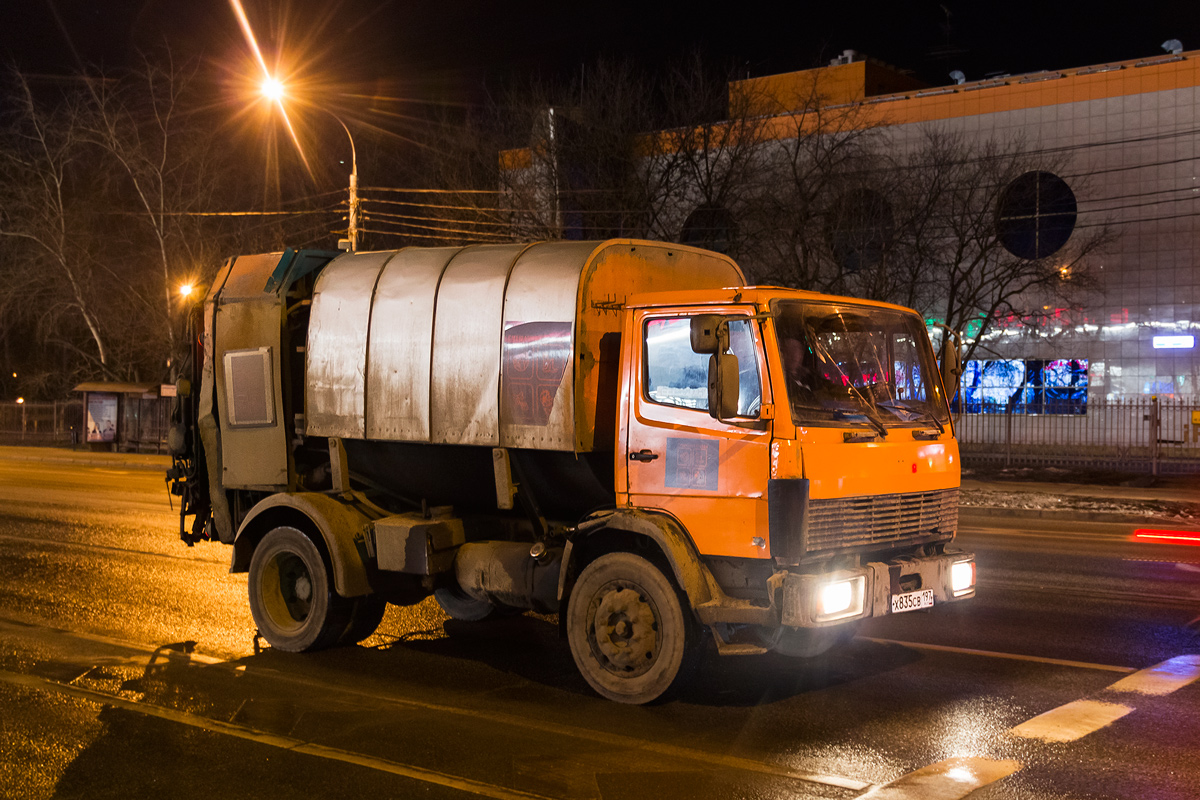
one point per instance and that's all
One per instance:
(618, 432)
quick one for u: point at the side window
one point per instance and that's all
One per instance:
(676, 376)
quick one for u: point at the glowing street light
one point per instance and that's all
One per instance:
(185, 291)
(273, 90)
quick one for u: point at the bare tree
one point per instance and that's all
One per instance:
(55, 278)
(815, 156)
(985, 229)
(143, 127)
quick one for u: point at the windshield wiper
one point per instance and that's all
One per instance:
(868, 411)
(919, 413)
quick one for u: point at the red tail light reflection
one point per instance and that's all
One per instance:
(1191, 538)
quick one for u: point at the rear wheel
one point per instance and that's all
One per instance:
(291, 594)
(629, 631)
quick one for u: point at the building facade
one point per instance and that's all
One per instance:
(1126, 135)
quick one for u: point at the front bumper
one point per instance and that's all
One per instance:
(796, 598)
(800, 605)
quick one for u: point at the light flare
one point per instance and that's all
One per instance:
(268, 78)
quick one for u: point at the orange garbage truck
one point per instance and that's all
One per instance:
(620, 433)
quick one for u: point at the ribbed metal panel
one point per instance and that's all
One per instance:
(889, 519)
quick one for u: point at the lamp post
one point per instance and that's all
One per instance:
(352, 222)
(273, 90)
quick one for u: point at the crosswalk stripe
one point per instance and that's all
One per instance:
(946, 780)
(1164, 678)
(1072, 721)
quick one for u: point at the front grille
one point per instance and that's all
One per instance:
(880, 520)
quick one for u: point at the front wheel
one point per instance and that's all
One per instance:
(291, 595)
(630, 633)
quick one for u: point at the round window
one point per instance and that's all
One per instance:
(1035, 215)
(859, 229)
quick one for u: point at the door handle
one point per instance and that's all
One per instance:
(643, 455)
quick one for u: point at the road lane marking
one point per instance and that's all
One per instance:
(271, 739)
(1148, 598)
(1164, 678)
(942, 648)
(951, 779)
(678, 752)
(1072, 721)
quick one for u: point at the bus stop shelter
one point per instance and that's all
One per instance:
(126, 417)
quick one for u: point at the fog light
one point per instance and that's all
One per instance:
(836, 598)
(840, 599)
(962, 577)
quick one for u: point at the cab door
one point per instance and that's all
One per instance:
(709, 474)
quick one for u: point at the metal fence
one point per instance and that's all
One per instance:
(41, 423)
(1141, 434)
(1155, 435)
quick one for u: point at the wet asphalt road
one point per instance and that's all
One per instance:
(104, 694)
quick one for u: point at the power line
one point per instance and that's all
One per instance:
(424, 236)
(385, 215)
(452, 230)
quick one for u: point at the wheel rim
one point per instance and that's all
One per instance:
(287, 590)
(623, 630)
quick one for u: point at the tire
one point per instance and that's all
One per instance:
(365, 615)
(464, 608)
(291, 593)
(630, 632)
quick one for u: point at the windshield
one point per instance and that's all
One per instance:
(858, 365)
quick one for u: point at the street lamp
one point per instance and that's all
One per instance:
(273, 90)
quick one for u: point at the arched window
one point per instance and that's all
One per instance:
(1035, 215)
(859, 229)
(710, 226)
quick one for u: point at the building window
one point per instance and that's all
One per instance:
(1035, 215)
(710, 226)
(1024, 386)
(859, 229)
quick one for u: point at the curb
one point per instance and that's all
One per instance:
(89, 462)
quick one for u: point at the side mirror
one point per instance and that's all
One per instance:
(706, 333)
(723, 385)
(951, 364)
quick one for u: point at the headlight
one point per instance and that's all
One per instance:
(840, 599)
(962, 577)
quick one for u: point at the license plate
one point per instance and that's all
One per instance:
(911, 601)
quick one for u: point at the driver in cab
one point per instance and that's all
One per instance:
(799, 367)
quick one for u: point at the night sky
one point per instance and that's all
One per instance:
(448, 48)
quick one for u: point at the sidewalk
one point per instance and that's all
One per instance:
(86, 458)
(1174, 500)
